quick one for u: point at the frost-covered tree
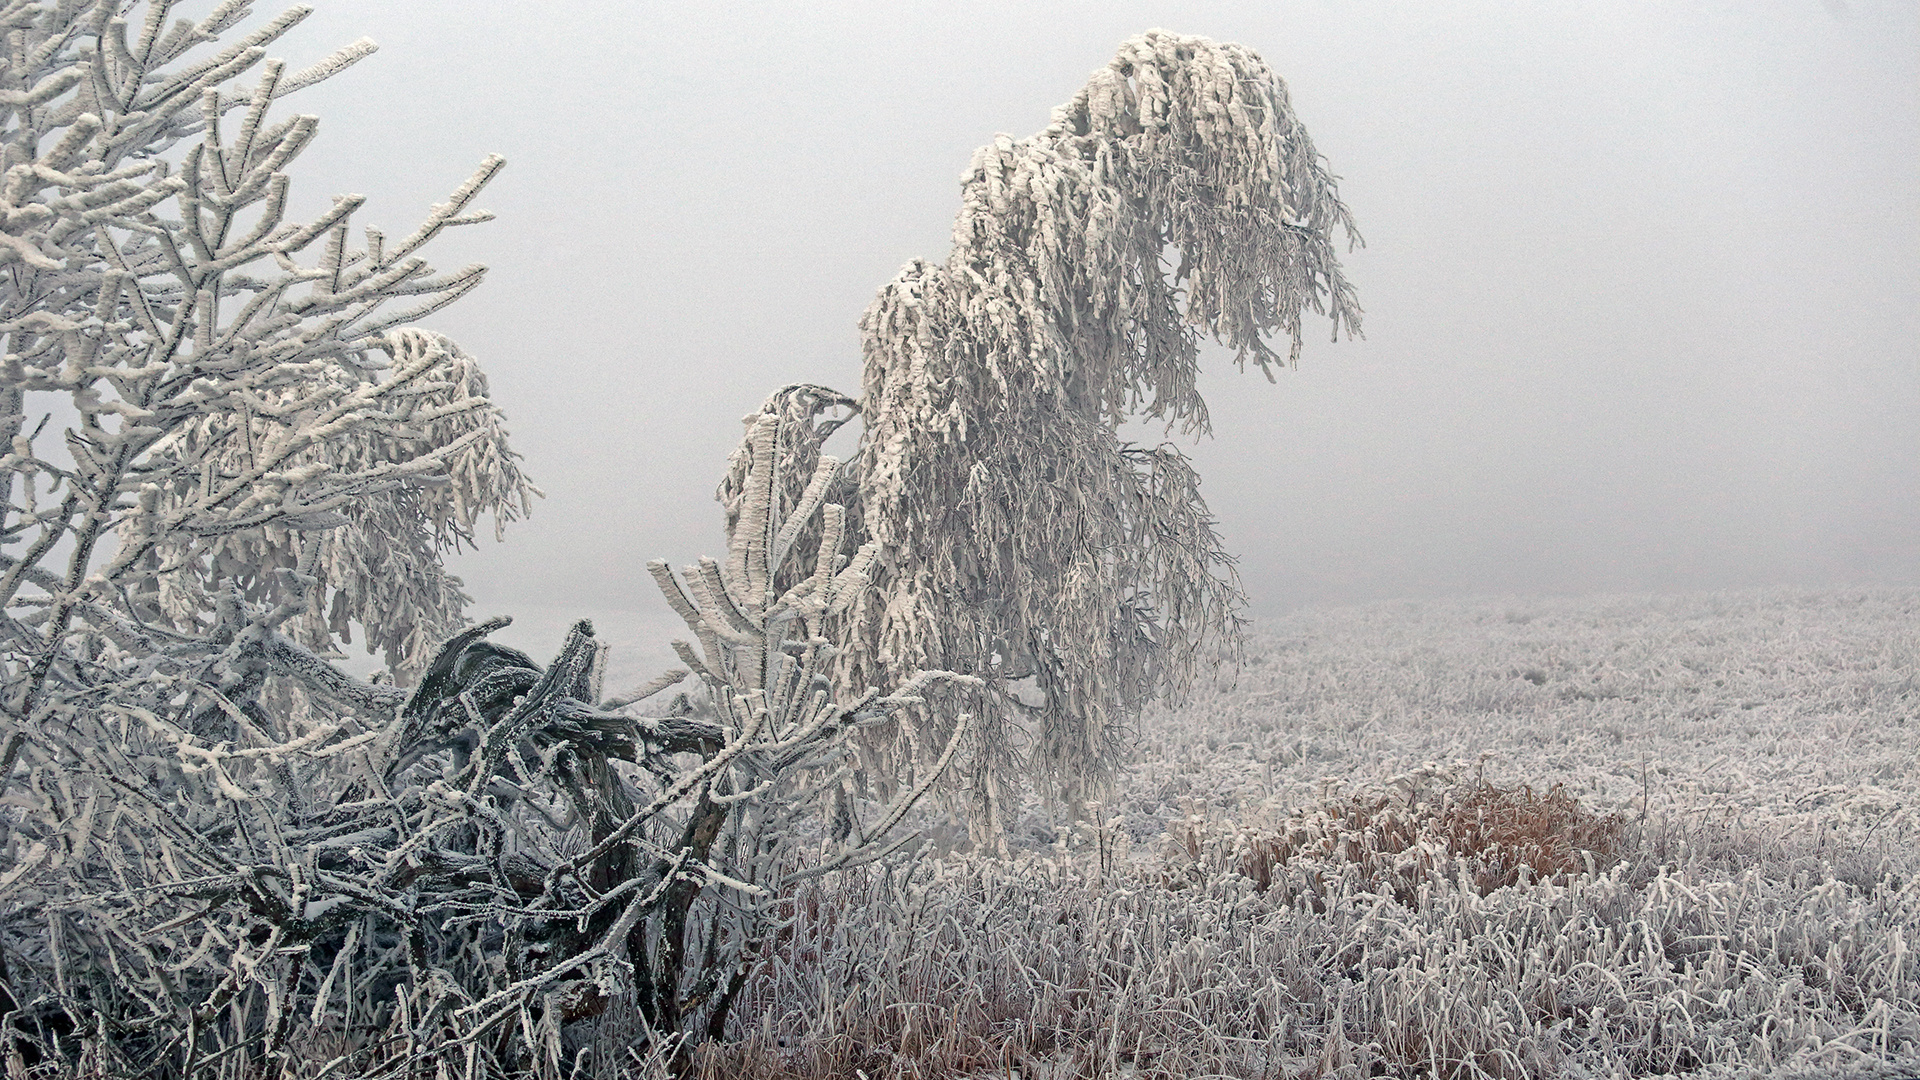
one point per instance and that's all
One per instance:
(241, 409)
(1018, 538)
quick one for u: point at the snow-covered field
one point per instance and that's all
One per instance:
(1761, 918)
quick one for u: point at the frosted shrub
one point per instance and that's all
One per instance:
(252, 437)
(783, 783)
(455, 874)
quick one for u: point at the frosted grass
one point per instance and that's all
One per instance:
(1764, 921)
(1788, 712)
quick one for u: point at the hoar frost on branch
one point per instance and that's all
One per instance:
(1018, 538)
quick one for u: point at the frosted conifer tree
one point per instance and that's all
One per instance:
(1019, 539)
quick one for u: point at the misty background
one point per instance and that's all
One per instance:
(1642, 281)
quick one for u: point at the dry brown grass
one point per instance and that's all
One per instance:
(1427, 829)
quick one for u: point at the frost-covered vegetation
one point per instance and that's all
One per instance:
(1563, 840)
(1718, 848)
(220, 853)
(1793, 712)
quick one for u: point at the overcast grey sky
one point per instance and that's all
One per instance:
(1642, 280)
